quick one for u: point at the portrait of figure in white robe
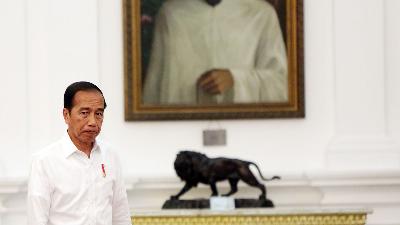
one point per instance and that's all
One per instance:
(207, 52)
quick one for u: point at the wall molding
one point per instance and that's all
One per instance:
(375, 189)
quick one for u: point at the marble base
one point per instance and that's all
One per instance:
(260, 216)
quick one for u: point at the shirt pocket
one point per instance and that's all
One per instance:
(106, 188)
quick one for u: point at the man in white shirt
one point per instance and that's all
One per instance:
(77, 180)
(216, 52)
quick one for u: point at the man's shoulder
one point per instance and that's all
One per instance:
(103, 144)
(108, 152)
(106, 147)
(261, 5)
(260, 8)
(49, 151)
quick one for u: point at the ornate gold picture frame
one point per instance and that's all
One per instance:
(140, 17)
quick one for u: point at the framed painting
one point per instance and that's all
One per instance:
(213, 59)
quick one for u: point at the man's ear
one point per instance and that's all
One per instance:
(66, 115)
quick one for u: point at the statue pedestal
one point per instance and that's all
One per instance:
(205, 203)
(315, 216)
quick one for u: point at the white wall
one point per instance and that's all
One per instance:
(351, 81)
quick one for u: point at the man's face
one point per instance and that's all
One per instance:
(86, 116)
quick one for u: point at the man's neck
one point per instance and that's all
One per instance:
(81, 146)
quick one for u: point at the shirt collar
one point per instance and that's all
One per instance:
(69, 147)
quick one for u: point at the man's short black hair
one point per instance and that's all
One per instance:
(79, 86)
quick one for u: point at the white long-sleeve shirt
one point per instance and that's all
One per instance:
(66, 187)
(192, 37)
